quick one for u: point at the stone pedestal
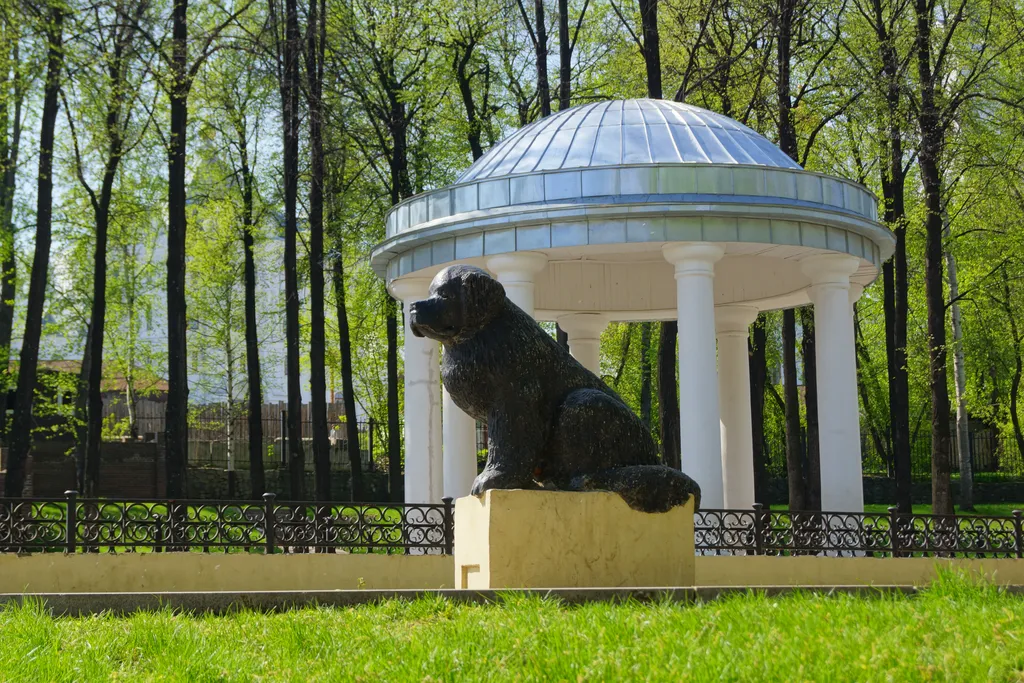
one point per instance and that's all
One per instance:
(558, 539)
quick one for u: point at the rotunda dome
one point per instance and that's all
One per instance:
(622, 132)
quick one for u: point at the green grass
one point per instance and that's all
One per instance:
(953, 631)
(993, 509)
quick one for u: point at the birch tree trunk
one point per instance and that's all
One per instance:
(963, 440)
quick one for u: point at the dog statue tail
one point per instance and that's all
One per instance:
(646, 488)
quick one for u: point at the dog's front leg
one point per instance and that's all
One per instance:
(514, 442)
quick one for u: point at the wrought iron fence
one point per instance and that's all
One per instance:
(76, 524)
(889, 534)
(92, 525)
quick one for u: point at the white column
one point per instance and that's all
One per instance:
(842, 485)
(584, 333)
(459, 449)
(732, 326)
(855, 291)
(699, 420)
(423, 469)
(516, 271)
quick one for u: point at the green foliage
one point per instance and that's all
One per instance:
(54, 411)
(391, 62)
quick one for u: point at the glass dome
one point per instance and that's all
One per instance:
(622, 132)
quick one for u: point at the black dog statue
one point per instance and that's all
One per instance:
(551, 423)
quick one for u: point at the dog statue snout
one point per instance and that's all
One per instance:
(414, 323)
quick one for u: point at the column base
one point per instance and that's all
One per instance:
(560, 539)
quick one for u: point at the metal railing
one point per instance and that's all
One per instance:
(77, 524)
(889, 534)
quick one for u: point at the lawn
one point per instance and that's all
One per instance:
(993, 509)
(955, 630)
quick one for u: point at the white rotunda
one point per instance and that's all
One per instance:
(632, 210)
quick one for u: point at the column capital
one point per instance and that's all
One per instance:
(410, 289)
(583, 325)
(856, 289)
(734, 318)
(517, 265)
(830, 269)
(687, 256)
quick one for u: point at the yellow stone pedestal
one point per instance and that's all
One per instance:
(560, 539)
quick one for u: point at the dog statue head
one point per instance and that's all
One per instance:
(463, 300)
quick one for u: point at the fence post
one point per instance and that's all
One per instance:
(72, 522)
(758, 530)
(449, 525)
(158, 524)
(170, 526)
(894, 529)
(1018, 533)
(269, 519)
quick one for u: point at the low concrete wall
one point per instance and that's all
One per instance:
(846, 571)
(244, 573)
(197, 572)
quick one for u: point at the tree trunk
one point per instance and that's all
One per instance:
(131, 402)
(347, 384)
(131, 397)
(317, 332)
(799, 497)
(758, 347)
(21, 428)
(794, 455)
(564, 57)
(813, 475)
(543, 90)
(229, 368)
(899, 382)
(98, 314)
(401, 188)
(929, 157)
(82, 414)
(668, 391)
(942, 497)
(963, 438)
(878, 436)
(177, 349)
(668, 395)
(97, 322)
(474, 129)
(8, 262)
(290, 109)
(783, 42)
(257, 477)
(645, 373)
(395, 481)
(1018, 365)
(895, 270)
(652, 47)
(1018, 435)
